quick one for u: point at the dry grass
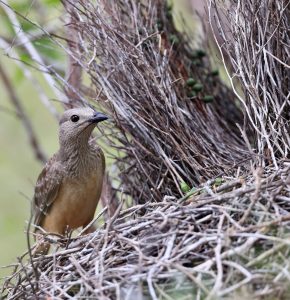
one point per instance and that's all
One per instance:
(211, 209)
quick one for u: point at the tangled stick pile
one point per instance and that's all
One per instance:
(228, 234)
(175, 118)
(211, 243)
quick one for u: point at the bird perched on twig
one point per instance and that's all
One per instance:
(68, 189)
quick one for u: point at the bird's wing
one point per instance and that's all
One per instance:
(46, 189)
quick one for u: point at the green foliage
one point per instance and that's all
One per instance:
(174, 39)
(191, 94)
(215, 72)
(198, 87)
(200, 53)
(51, 2)
(208, 98)
(190, 82)
(218, 181)
(47, 48)
(184, 187)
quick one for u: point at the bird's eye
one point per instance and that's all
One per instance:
(74, 118)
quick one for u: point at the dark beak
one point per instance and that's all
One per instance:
(98, 117)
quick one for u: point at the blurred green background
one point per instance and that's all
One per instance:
(18, 166)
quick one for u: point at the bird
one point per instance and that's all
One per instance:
(69, 187)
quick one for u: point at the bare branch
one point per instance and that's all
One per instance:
(16, 102)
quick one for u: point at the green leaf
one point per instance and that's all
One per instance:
(190, 81)
(184, 187)
(191, 94)
(218, 181)
(208, 98)
(200, 53)
(198, 87)
(173, 39)
(214, 72)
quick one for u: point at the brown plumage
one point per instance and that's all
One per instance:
(68, 189)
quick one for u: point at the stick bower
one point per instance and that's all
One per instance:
(175, 121)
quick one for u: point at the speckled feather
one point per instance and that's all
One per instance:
(46, 188)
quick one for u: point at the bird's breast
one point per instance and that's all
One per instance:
(76, 202)
(82, 197)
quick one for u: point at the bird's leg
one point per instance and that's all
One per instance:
(68, 232)
(52, 232)
(42, 247)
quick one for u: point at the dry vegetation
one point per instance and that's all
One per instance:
(209, 180)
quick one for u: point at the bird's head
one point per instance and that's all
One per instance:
(77, 124)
